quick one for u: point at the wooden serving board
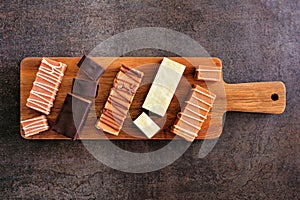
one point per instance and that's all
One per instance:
(244, 97)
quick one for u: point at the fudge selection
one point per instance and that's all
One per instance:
(125, 86)
(77, 104)
(45, 88)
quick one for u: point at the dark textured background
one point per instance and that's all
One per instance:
(257, 155)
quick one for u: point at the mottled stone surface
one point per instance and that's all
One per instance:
(257, 155)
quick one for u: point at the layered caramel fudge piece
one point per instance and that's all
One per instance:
(46, 85)
(194, 113)
(121, 95)
(72, 116)
(163, 87)
(208, 73)
(34, 125)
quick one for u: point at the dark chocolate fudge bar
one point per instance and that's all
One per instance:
(90, 68)
(85, 88)
(72, 116)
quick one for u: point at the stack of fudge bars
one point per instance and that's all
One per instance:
(77, 104)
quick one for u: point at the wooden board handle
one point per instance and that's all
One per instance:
(261, 97)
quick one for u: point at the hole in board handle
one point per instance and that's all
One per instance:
(274, 97)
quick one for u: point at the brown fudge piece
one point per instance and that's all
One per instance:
(194, 113)
(121, 95)
(72, 116)
(46, 85)
(208, 73)
(34, 125)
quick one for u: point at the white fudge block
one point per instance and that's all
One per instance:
(146, 125)
(163, 87)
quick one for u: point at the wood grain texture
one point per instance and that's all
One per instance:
(256, 97)
(246, 97)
